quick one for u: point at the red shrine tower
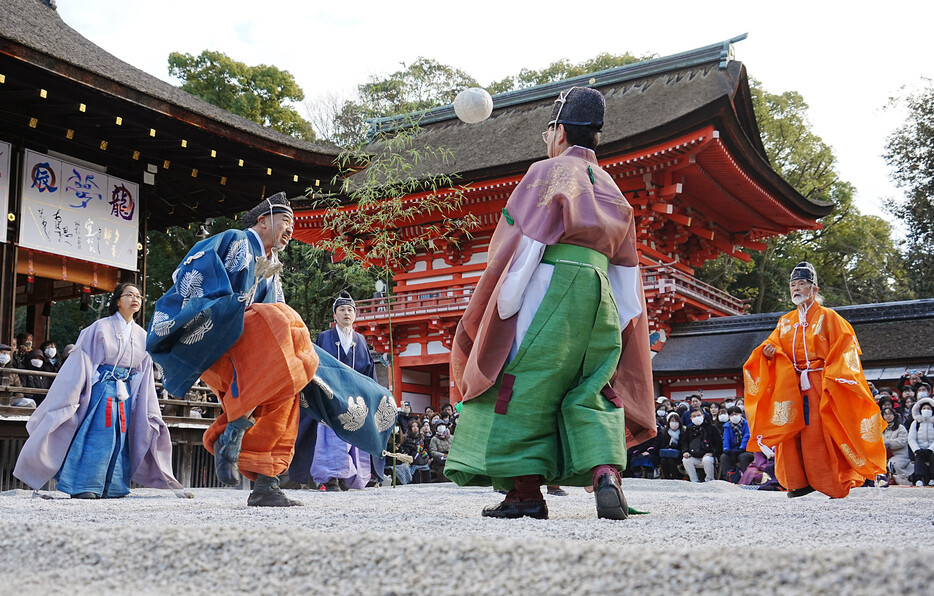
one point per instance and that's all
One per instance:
(680, 139)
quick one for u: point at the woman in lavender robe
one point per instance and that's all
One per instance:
(100, 427)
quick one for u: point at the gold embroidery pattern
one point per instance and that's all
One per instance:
(819, 325)
(851, 358)
(855, 460)
(784, 413)
(784, 326)
(871, 428)
(560, 180)
(752, 385)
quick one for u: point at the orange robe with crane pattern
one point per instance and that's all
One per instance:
(828, 436)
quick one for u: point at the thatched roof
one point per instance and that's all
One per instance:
(647, 103)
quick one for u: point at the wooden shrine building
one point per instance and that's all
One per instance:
(680, 139)
(94, 153)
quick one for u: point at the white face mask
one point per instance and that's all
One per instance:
(922, 394)
(697, 420)
(723, 417)
(674, 425)
(729, 404)
(741, 407)
(661, 412)
(50, 352)
(4, 358)
(926, 414)
(735, 418)
(36, 362)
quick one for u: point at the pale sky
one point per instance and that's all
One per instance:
(845, 58)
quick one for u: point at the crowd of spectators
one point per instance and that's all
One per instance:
(425, 439)
(702, 441)
(699, 440)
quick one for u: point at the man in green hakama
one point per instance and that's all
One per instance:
(552, 354)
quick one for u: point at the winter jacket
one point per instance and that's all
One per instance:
(700, 440)
(733, 443)
(439, 447)
(921, 434)
(896, 442)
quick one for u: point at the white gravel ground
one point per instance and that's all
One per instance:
(421, 539)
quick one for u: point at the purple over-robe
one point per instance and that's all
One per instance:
(54, 423)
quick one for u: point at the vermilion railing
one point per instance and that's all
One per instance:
(420, 302)
(664, 278)
(660, 279)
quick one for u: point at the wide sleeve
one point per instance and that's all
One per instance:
(774, 406)
(53, 425)
(528, 256)
(150, 441)
(848, 412)
(627, 289)
(201, 316)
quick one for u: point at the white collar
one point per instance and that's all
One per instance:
(258, 239)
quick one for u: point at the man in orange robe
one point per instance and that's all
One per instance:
(806, 393)
(225, 320)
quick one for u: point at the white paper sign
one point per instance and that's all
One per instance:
(73, 211)
(5, 149)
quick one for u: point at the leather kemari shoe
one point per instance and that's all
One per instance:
(516, 509)
(271, 498)
(84, 496)
(227, 451)
(557, 491)
(611, 503)
(800, 492)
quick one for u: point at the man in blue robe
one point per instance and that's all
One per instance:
(320, 455)
(225, 319)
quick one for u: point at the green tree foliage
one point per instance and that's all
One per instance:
(426, 84)
(910, 153)
(389, 172)
(419, 86)
(564, 69)
(312, 281)
(261, 93)
(856, 259)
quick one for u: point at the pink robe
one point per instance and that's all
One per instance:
(556, 202)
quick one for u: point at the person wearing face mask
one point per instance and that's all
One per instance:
(701, 445)
(668, 446)
(806, 393)
(921, 441)
(12, 379)
(35, 361)
(895, 437)
(52, 357)
(718, 415)
(735, 439)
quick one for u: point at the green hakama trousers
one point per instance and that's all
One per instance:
(558, 421)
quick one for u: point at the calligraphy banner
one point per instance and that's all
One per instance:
(5, 149)
(77, 212)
